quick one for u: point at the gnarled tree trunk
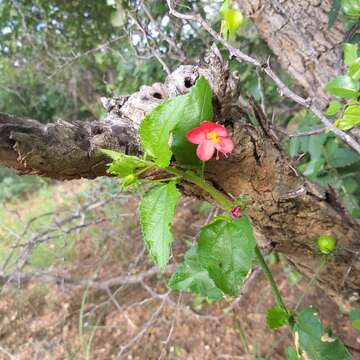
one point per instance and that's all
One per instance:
(288, 212)
(297, 32)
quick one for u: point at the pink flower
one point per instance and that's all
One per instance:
(209, 137)
(235, 212)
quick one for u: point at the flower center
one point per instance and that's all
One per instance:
(214, 137)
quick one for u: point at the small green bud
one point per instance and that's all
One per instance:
(128, 180)
(326, 244)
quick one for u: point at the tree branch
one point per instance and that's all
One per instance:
(288, 212)
(265, 66)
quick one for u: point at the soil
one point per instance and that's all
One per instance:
(54, 321)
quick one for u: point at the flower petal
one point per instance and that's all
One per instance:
(209, 126)
(226, 145)
(196, 136)
(205, 150)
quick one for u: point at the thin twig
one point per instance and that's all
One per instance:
(265, 66)
(45, 277)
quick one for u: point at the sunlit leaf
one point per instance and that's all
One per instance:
(192, 276)
(314, 341)
(333, 108)
(176, 115)
(123, 165)
(157, 209)
(343, 86)
(350, 53)
(276, 317)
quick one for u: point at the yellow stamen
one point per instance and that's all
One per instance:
(214, 137)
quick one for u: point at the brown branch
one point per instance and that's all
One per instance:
(265, 66)
(64, 150)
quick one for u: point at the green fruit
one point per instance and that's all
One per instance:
(326, 244)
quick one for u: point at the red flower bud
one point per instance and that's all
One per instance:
(235, 212)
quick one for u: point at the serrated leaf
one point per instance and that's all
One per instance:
(199, 108)
(123, 165)
(350, 53)
(156, 128)
(333, 108)
(343, 157)
(191, 276)
(343, 86)
(292, 354)
(227, 249)
(157, 209)
(276, 317)
(314, 341)
(220, 261)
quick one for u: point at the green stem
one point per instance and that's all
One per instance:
(204, 185)
(189, 176)
(311, 283)
(269, 277)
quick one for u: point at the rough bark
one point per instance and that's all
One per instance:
(287, 211)
(297, 32)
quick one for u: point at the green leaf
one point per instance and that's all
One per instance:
(220, 261)
(356, 324)
(333, 108)
(343, 157)
(350, 53)
(157, 209)
(351, 184)
(313, 167)
(351, 8)
(191, 276)
(292, 354)
(355, 319)
(276, 317)
(227, 249)
(198, 108)
(314, 341)
(334, 11)
(354, 70)
(232, 21)
(157, 126)
(189, 109)
(123, 165)
(224, 8)
(343, 86)
(350, 118)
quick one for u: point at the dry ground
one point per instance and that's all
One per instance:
(60, 321)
